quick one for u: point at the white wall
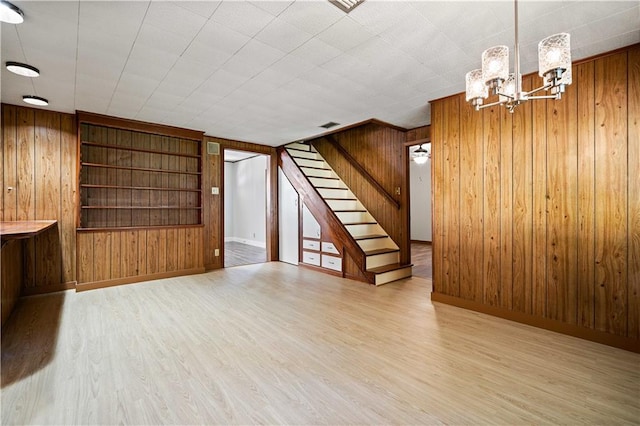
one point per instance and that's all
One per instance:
(420, 181)
(246, 201)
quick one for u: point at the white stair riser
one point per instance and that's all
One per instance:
(306, 154)
(301, 162)
(332, 183)
(391, 276)
(352, 217)
(335, 193)
(357, 230)
(378, 260)
(317, 173)
(377, 243)
(345, 205)
(300, 146)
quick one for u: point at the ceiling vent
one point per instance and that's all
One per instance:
(329, 125)
(346, 5)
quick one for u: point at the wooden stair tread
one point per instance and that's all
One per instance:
(340, 199)
(296, 149)
(311, 167)
(323, 177)
(360, 223)
(331, 187)
(389, 268)
(381, 251)
(350, 211)
(370, 237)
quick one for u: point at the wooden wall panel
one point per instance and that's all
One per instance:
(437, 188)
(611, 193)
(562, 205)
(559, 201)
(451, 197)
(471, 190)
(522, 205)
(586, 195)
(491, 264)
(633, 262)
(39, 154)
(11, 277)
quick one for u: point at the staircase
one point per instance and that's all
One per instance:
(376, 254)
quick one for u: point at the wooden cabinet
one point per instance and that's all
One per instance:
(131, 179)
(316, 250)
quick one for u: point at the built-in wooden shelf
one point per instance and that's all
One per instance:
(131, 149)
(139, 169)
(132, 180)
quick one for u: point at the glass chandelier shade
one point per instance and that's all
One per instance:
(554, 56)
(475, 85)
(508, 89)
(495, 65)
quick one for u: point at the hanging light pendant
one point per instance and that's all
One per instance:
(420, 155)
(554, 66)
(10, 13)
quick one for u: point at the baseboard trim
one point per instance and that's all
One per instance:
(420, 242)
(34, 291)
(597, 336)
(136, 279)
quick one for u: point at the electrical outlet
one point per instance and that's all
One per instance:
(216, 252)
(215, 190)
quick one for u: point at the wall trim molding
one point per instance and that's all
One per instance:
(136, 279)
(608, 339)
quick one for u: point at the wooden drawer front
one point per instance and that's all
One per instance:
(311, 245)
(329, 248)
(311, 258)
(332, 262)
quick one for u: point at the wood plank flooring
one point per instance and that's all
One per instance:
(274, 343)
(422, 259)
(236, 254)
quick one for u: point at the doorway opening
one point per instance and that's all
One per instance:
(245, 207)
(420, 213)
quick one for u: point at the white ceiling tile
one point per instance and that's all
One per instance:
(175, 19)
(153, 37)
(312, 16)
(242, 17)
(202, 8)
(283, 36)
(274, 7)
(345, 34)
(254, 57)
(316, 52)
(106, 16)
(222, 83)
(220, 37)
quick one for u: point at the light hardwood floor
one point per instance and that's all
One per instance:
(273, 343)
(422, 259)
(236, 254)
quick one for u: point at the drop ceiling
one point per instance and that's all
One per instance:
(272, 72)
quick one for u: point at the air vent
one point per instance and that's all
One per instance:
(329, 125)
(346, 5)
(213, 148)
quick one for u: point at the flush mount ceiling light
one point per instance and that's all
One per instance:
(35, 100)
(22, 69)
(329, 125)
(10, 13)
(554, 64)
(346, 5)
(420, 155)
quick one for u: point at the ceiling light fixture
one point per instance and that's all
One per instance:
(35, 100)
(22, 69)
(346, 5)
(421, 155)
(10, 13)
(554, 66)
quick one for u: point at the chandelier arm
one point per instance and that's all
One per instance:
(479, 107)
(544, 97)
(545, 87)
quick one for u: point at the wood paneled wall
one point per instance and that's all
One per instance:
(537, 213)
(39, 153)
(212, 205)
(381, 151)
(117, 257)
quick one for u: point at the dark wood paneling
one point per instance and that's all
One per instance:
(11, 278)
(633, 262)
(611, 193)
(39, 155)
(559, 205)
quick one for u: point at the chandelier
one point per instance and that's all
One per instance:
(554, 66)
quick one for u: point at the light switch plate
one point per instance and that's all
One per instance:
(215, 190)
